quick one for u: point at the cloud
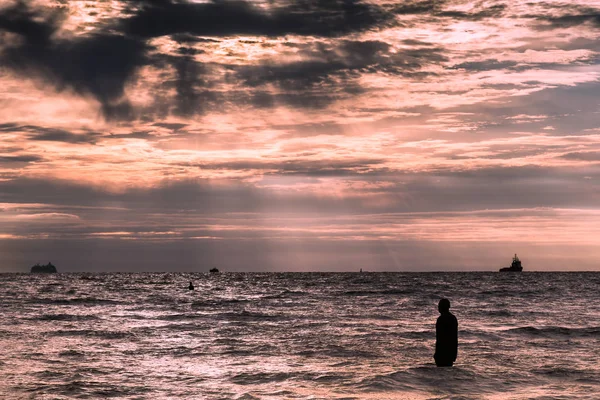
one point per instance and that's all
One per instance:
(19, 159)
(585, 15)
(98, 64)
(437, 8)
(324, 63)
(494, 11)
(52, 134)
(417, 7)
(331, 122)
(57, 135)
(223, 18)
(583, 156)
(330, 71)
(485, 65)
(556, 15)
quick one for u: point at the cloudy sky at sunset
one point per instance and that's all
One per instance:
(156, 135)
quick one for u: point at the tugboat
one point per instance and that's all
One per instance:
(514, 267)
(43, 269)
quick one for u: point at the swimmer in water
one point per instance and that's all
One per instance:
(446, 336)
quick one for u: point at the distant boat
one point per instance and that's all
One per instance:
(43, 269)
(514, 267)
(213, 270)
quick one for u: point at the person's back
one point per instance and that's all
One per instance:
(446, 336)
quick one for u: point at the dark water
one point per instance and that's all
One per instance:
(298, 336)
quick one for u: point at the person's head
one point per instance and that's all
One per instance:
(444, 305)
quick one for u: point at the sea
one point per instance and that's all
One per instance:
(531, 335)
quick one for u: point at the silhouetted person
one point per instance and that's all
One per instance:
(191, 287)
(446, 336)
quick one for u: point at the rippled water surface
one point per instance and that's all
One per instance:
(298, 336)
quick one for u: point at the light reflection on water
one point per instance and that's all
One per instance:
(362, 336)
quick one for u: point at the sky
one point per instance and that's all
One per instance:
(300, 135)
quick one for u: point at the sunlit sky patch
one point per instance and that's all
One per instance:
(277, 135)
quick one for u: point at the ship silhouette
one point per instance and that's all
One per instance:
(48, 268)
(514, 267)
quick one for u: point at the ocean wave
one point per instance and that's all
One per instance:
(298, 336)
(65, 317)
(93, 333)
(378, 317)
(562, 372)
(218, 302)
(49, 374)
(247, 396)
(247, 378)
(394, 381)
(73, 301)
(199, 327)
(557, 371)
(498, 313)
(250, 315)
(477, 334)
(180, 317)
(285, 294)
(381, 292)
(337, 352)
(555, 331)
(416, 334)
(71, 353)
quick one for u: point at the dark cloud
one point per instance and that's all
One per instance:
(571, 110)
(432, 191)
(19, 159)
(8, 127)
(193, 86)
(304, 99)
(187, 39)
(98, 64)
(53, 134)
(57, 135)
(172, 125)
(567, 21)
(101, 63)
(579, 43)
(435, 8)
(501, 188)
(231, 17)
(132, 135)
(486, 65)
(418, 7)
(35, 132)
(582, 156)
(414, 42)
(494, 11)
(571, 15)
(353, 167)
(337, 64)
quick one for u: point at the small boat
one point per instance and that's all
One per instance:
(514, 267)
(213, 270)
(43, 269)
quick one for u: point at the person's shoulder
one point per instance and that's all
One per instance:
(453, 317)
(447, 317)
